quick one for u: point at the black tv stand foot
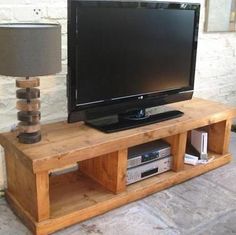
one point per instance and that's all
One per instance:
(135, 115)
(116, 123)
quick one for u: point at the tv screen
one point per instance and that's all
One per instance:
(128, 51)
(123, 52)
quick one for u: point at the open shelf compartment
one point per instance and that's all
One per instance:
(75, 192)
(217, 140)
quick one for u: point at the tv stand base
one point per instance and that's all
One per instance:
(47, 201)
(115, 123)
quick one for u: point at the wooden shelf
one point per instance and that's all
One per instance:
(74, 191)
(47, 203)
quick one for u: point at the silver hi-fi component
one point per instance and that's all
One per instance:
(149, 169)
(144, 153)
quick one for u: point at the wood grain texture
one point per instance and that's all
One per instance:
(64, 144)
(20, 180)
(20, 211)
(219, 136)
(27, 187)
(25, 127)
(27, 83)
(109, 170)
(42, 194)
(178, 149)
(23, 105)
(87, 193)
(75, 197)
(48, 204)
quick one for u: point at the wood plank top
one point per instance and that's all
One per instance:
(64, 144)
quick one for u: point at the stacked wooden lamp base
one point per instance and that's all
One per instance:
(29, 114)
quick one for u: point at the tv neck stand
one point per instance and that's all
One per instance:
(130, 120)
(134, 115)
(47, 201)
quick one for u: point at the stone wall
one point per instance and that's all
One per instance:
(215, 70)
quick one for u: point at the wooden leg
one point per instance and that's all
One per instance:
(178, 148)
(30, 191)
(42, 194)
(40, 232)
(109, 170)
(219, 136)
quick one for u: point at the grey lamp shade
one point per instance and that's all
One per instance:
(28, 50)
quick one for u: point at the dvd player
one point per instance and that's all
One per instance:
(144, 153)
(149, 169)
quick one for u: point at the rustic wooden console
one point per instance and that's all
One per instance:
(47, 203)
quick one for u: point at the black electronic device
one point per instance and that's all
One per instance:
(124, 57)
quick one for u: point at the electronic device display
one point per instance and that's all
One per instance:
(147, 152)
(126, 56)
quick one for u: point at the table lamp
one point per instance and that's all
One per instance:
(26, 51)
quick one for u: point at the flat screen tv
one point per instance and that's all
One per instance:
(127, 56)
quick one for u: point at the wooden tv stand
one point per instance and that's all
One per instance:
(49, 202)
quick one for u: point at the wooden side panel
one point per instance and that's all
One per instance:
(219, 136)
(178, 148)
(109, 170)
(25, 217)
(29, 190)
(42, 192)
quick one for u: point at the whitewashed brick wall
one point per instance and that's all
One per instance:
(215, 70)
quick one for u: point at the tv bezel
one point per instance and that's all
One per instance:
(78, 112)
